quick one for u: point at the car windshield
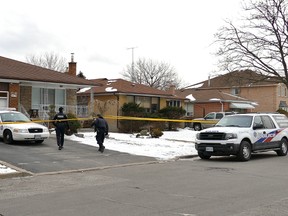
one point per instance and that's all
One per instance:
(235, 121)
(14, 117)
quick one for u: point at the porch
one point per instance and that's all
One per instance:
(46, 111)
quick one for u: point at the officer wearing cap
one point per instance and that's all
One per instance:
(60, 126)
(101, 127)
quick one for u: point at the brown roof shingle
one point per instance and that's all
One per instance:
(118, 86)
(16, 70)
(237, 79)
(205, 95)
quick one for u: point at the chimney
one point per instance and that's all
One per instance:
(72, 66)
(172, 89)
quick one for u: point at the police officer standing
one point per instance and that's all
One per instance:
(60, 126)
(101, 127)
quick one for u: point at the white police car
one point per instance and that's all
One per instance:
(15, 126)
(243, 134)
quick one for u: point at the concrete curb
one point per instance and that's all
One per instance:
(187, 156)
(19, 172)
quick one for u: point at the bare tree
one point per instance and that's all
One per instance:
(48, 60)
(260, 43)
(158, 75)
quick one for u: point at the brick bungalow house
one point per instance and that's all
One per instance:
(111, 94)
(257, 92)
(199, 102)
(31, 89)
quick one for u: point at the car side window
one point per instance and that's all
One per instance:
(209, 116)
(258, 122)
(219, 115)
(268, 123)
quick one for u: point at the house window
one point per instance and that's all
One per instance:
(4, 95)
(282, 91)
(45, 97)
(151, 104)
(189, 109)
(235, 91)
(154, 104)
(60, 96)
(174, 103)
(144, 102)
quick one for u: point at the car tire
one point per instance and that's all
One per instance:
(283, 148)
(7, 137)
(244, 153)
(203, 156)
(197, 127)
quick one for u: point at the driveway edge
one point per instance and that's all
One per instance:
(18, 171)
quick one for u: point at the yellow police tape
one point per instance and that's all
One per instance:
(121, 118)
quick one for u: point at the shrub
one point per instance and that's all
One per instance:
(132, 110)
(87, 123)
(282, 112)
(74, 124)
(172, 113)
(156, 132)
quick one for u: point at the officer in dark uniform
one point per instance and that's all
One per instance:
(101, 127)
(60, 126)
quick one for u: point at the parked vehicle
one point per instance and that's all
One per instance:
(209, 120)
(243, 134)
(15, 126)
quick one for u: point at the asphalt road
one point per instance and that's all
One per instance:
(125, 185)
(46, 158)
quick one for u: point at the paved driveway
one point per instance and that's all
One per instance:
(45, 157)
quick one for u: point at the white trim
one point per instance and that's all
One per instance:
(53, 85)
(241, 106)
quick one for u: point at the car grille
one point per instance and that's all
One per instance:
(35, 130)
(212, 136)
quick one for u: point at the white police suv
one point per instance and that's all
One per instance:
(15, 126)
(244, 134)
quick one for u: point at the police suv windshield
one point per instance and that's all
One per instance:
(235, 121)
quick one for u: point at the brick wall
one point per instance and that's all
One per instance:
(72, 68)
(201, 109)
(265, 96)
(14, 90)
(71, 97)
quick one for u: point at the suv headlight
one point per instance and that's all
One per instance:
(230, 136)
(198, 136)
(17, 130)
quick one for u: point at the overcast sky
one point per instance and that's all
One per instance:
(99, 32)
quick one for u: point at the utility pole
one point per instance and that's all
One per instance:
(132, 65)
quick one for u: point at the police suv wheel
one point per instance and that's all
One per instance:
(283, 148)
(203, 156)
(244, 153)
